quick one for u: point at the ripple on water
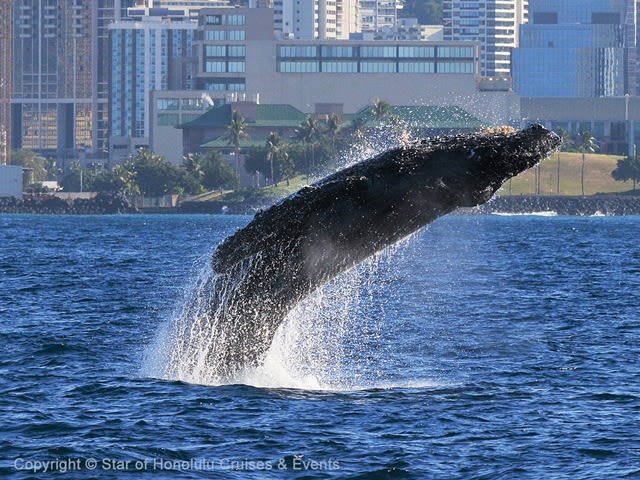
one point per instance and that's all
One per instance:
(486, 347)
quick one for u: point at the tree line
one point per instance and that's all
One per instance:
(145, 174)
(310, 150)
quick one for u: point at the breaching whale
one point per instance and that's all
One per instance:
(263, 270)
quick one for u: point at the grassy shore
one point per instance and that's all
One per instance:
(597, 179)
(597, 176)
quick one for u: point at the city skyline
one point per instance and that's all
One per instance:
(81, 73)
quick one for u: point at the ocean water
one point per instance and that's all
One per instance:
(481, 347)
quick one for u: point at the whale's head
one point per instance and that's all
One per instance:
(475, 166)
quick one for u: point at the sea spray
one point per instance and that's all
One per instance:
(322, 344)
(308, 348)
(245, 311)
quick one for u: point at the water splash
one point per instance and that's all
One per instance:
(542, 213)
(333, 340)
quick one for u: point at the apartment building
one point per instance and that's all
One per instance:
(493, 24)
(59, 82)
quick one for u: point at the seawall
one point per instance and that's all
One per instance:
(564, 205)
(102, 203)
(109, 204)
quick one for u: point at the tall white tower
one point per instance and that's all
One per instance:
(333, 19)
(308, 20)
(375, 15)
(494, 25)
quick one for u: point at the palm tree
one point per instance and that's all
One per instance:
(380, 109)
(333, 127)
(273, 149)
(236, 131)
(307, 132)
(566, 145)
(287, 168)
(192, 163)
(586, 143)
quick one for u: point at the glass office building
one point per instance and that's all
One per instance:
(150, 53)
(59, 82)
(577, 48)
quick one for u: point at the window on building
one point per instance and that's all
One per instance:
(377, 67)
(236, 67)
(215, 35)
(167, 104)
(213, 19)
(381, 51)
(454, 67)
(340, 67)
(226, 84)
(236, 35)
(299, 67)
(211, 66)
(455, 52)
(236, 86)
(329, 51)
(235, 20)
(192, 103)
(215, 50)
(416, 52)
(416, 67)
(216, 86)
(236, 50)
(298, 51)
(545, 18)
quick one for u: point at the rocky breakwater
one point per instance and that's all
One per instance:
(102, 203)
(564, 205)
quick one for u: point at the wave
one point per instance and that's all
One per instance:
(543, 213)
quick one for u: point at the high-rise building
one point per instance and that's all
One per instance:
(187, 3)
(337, 19)
(577, 48)
(5, 81)
(493, 24)
(376, 15)
(150, 50)
(307, 20)
(239, 57)
(59, 79)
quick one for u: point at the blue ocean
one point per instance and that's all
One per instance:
(482, 347)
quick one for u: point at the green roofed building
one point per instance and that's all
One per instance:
(209, 129)
(422, 119)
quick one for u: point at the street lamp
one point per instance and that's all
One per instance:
(629, 127)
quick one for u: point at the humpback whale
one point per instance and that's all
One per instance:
(287, 251)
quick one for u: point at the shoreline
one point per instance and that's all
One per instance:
(103, 203)
(601, 204)
(100, 204)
